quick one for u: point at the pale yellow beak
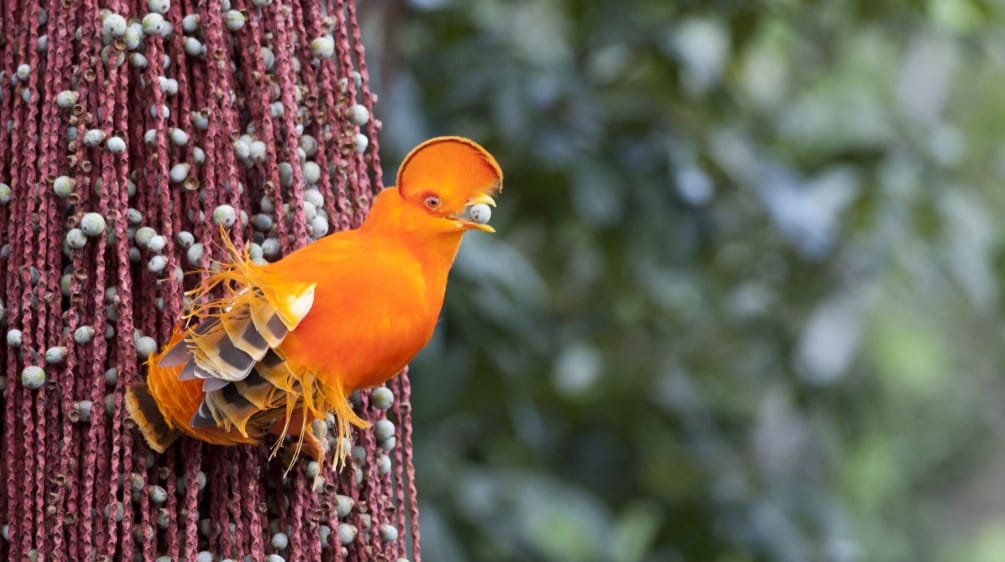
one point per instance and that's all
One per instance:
(482, 227)
(467, 224)
(483, 198)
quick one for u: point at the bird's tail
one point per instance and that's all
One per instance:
(143, 410)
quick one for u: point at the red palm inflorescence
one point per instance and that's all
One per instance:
(130, 131)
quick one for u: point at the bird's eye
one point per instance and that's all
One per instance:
(432, 201)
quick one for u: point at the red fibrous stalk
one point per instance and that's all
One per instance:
(77, 489)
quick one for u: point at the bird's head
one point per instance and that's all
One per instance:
(444, 177)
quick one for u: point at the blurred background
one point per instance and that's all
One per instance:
(743, 303)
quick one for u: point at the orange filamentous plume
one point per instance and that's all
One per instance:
(288, 342)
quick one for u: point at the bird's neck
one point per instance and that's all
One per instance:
(436, 251)
(391, 219)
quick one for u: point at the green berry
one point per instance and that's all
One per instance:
(67, 99)
(360, 143)
(157, 494)
(145, 346)
(358, 114)
(383, 429)
(234, 20)
(83, 409)
(343, 505)
(388, 533)
(347, 533)
(55, 355)
(389, 443)
(83, 334)
(381, 398)
(225, 215)
(75, 238)
(14, 337)
(116, 145)
(92, 224)
(323, 47)
(33, 377)
(113, 25)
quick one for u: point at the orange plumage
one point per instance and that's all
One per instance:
(289, 341)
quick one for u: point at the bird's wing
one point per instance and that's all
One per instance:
(231, 343)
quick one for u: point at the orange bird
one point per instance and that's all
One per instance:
(289, 341)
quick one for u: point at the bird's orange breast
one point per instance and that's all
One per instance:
(366, 323)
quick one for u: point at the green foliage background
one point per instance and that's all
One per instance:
(744, 299)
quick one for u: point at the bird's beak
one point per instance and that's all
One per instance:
(482, 198)
(473, 225)
(467, 224)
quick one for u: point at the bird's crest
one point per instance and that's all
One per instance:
(458, 169)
